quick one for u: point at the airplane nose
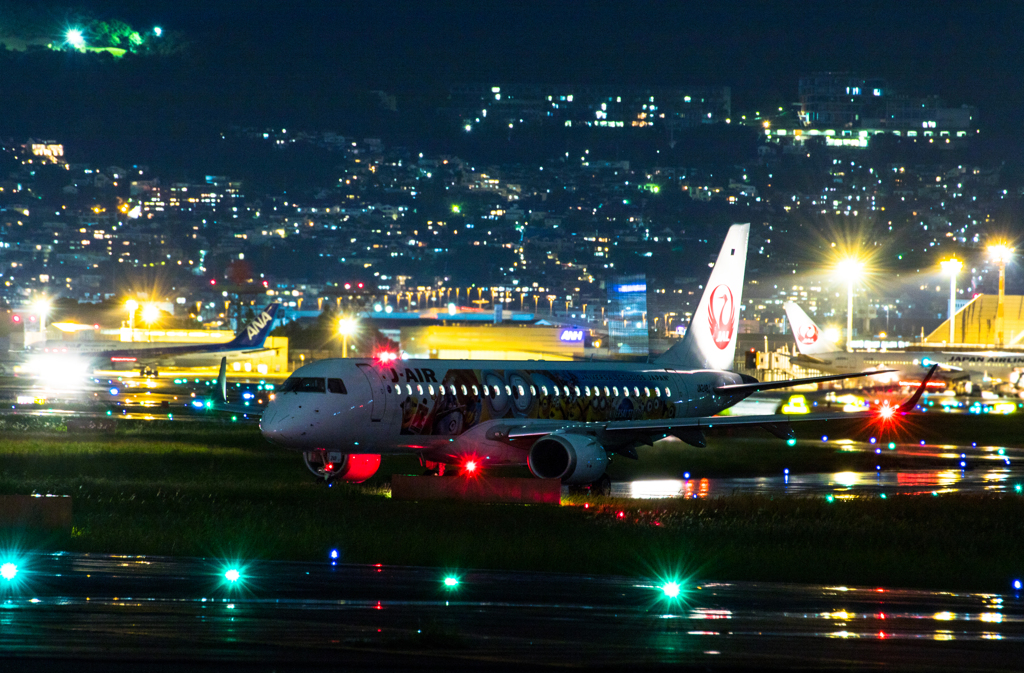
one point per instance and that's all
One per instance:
(275, 427)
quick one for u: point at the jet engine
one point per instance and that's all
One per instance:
(334, 466)
(573, 458)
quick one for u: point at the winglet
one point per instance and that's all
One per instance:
(222, 380)
(912, 402)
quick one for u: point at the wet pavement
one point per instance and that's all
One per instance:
(970, 469)
(104, 611)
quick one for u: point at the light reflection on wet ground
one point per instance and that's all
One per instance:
(972, 469)
(906, 482)
(136, 608)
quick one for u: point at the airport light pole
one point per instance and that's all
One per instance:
(952, 267)
(42, 307)
(150, 314)
(1000, 253)
(851, 270)
(346, 328)
(131, 306)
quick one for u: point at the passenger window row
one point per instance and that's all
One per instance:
(518, 391)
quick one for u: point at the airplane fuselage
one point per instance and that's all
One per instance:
(980, 366)
(446, 409)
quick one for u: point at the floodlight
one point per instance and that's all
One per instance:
(952, 266)
(850, 268)
(1000, 253)
(8, 571)
(347, 326)
(131, 306)
(75, 38)
(150, 314)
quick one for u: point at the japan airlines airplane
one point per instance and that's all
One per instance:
(561, 419)
(816, 352)
(147, 356)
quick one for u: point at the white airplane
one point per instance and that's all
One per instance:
(147, 356)
(981, 367)
(561, 419)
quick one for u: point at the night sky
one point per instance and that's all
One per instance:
(965, 53)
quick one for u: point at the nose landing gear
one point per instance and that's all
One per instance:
(324, 464)
(336, 466)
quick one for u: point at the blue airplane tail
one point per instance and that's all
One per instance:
(255, 333)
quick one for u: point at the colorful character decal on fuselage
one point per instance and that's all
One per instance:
(464, 398)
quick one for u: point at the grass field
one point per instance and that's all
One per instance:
(220, 491)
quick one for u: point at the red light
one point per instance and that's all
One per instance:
(386, 356)
(360, 286)
(586, 505)
(471, 466)
(622, 515)
(886, 412)
(16, 318)
(930, 384)
(213, 282)
(329, 467)
(348, 286)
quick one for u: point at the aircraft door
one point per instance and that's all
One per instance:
(378, 403)
(680, 398)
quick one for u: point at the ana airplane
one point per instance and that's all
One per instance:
(979, 367)
(148, 356)
(562, 419)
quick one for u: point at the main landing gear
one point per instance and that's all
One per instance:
(602, 486)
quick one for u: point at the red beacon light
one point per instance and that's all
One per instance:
(386, 356)
(886, 412)
(471, 467)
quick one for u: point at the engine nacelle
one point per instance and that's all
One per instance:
(335, 466)
(573, 458)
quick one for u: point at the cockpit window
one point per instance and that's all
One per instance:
(305, 384)
(336, 386)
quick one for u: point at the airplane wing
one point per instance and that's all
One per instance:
(773, 385)
(777, 424)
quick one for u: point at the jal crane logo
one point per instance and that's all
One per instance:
(722, 316)
(807, 334)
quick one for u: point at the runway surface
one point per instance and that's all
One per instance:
(115, 612)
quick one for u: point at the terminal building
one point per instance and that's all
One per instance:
(976, 325)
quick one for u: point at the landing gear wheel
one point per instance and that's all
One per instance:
(317, 463)
(603, 485)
